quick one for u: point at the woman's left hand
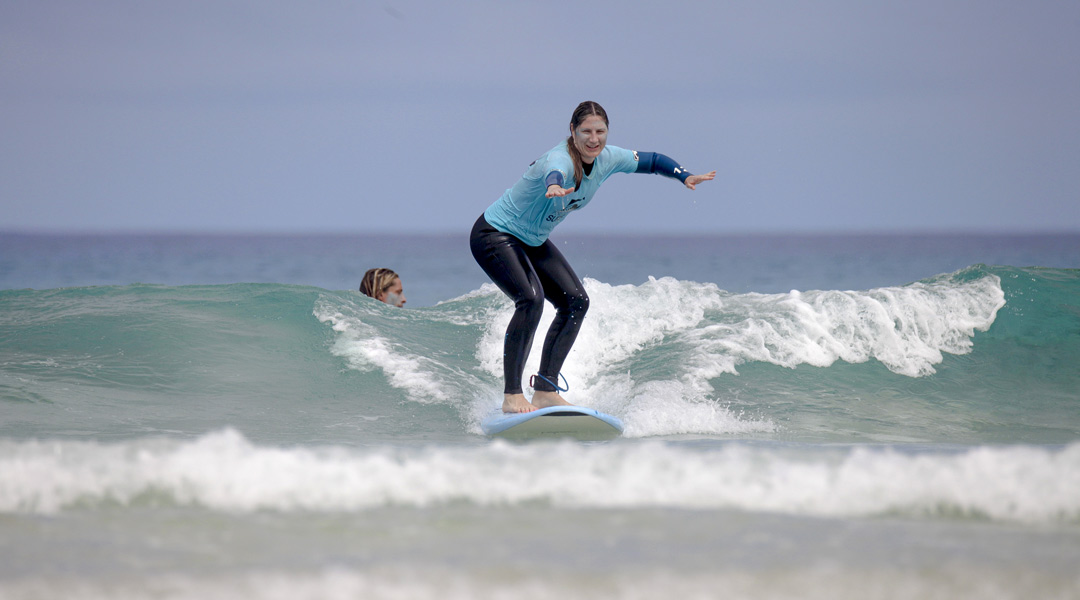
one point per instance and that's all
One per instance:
(693, 180)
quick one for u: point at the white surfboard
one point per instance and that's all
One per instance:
(576, 422)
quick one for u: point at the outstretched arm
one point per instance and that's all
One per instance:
(654, 162)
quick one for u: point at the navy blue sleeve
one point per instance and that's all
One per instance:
(654, 162)
(553, 178)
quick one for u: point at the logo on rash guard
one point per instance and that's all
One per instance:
(560, 214)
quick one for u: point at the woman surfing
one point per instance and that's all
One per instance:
(510, 243)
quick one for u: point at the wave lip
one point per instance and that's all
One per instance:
(907, 329)
(223, 471)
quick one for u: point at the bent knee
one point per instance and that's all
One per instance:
(577, 304)
(531, 304)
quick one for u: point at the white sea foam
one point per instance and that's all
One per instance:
(669, 407)
(907, 328)
(365, 349)
(955, 581)
(224, 471)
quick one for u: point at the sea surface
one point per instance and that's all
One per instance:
(830, 416)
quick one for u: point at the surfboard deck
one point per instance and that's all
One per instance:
(577, 422)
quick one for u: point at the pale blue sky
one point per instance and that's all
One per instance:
(409, 115)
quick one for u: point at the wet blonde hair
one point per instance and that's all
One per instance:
(377, 281)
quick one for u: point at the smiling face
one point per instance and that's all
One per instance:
(590, 137)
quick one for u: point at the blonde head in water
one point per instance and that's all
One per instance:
(383, 285)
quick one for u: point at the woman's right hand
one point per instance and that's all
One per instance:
(555, 191)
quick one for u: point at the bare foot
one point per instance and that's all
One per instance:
(516, 403)
(546, 399)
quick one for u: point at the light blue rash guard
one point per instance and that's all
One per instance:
(525, 212)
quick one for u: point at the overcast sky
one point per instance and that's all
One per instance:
(414, 115)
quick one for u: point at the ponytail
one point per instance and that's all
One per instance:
(575, 157)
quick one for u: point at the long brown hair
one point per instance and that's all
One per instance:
(583, 111)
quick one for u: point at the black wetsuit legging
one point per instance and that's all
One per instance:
(530, 274)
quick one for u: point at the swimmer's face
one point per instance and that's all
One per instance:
(394, 295)
(590, 137)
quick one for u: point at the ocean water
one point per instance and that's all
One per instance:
(806, 417)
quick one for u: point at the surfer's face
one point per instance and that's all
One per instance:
(590, 137)
(394, 295)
